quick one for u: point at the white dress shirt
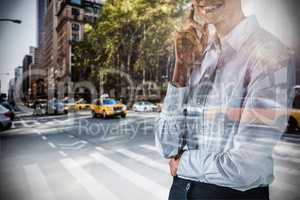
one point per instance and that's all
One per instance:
(230, 129)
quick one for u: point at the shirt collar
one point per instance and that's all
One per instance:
(238, 36)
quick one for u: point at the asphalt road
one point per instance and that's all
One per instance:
(77, 157)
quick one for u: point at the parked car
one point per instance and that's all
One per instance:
(42, 102)
(82, 104)
(6, 105)
(55, 107)
(39, 107)
(108, 107)
(145, 106)
(69, 104)
(5, 118)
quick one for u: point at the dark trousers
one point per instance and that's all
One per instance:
(190, 190)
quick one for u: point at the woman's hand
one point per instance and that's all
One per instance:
(189, 46)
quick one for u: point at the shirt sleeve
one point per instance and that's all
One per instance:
(170, 124)
(248, 164)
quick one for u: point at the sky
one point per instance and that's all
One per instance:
(15, 39)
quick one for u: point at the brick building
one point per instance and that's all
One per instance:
(72, 16)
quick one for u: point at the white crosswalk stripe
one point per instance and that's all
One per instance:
(149, 147)
(140, 181)
(144, 159)
(37, 182)
(94, 188)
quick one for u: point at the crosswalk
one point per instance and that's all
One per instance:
(94, 168)
(140, 181)
(95, 189)
(70, 120)
(43, 122)
(37, 182)
(37, 178)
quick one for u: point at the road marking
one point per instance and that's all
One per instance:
(145, 160)
(54, 129)
(63, 154)
(285, 186)
(94, 188)
(285, 170)
(50, 123)
(74, 143)
(44, 137)
(25, 124)
(101, 149)
(149, 147)
(285, 158)
(138, 180)
(70, 136)
(36, 122)
(37, 182)
(74, 146)
(51, 145)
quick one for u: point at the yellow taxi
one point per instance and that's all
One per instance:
(105, 107)
(82, 104)
(265, 112)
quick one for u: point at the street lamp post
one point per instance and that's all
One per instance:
(16, 21)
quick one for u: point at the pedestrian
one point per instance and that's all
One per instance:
(226, 106)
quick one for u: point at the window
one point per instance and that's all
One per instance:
(109, 102)
(75, 37)
(89, 9)
(78, 2)
(75, 27)
(75, 12)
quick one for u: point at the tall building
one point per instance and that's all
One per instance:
(49, 47)
(41, 11)
(11, 89)
(18, 88)
(72, 16)
(37, 75)
(64, 24)
(26, 80)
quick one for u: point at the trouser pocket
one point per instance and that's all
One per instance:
(179, 189)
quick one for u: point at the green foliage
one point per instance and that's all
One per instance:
(134, 36)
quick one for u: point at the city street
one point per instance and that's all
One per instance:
(77, 157)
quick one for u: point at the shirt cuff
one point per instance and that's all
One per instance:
(174, 102)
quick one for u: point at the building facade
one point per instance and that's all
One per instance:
(11, 91)
(49, 47)
(37, 76)
(72, 16)
(26, 71)
(18, 87)
(64, 23)
(41, 11)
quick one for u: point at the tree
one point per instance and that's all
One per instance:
(132, 36)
